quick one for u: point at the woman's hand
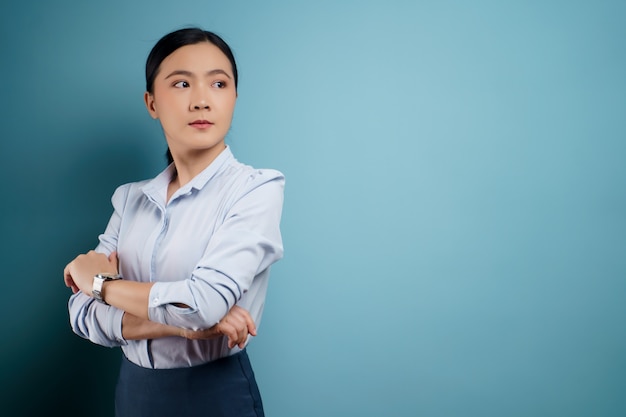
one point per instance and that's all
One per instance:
(79, 274)
(236, 325)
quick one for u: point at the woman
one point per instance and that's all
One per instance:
(179, 277)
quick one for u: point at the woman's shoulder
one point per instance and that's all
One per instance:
(250, 177)
(129, 190)
(238, 180)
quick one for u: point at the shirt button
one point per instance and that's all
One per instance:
(155, 301)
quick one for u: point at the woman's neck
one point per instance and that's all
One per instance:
(189, 165)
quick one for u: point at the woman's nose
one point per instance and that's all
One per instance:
(201, 105)
(199, 99)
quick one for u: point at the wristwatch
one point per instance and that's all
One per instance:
(98, 280)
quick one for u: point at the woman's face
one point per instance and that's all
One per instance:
(194, 98)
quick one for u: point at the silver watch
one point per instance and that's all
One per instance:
(98, 280)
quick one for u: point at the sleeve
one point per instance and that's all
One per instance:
(246, 244)
(101, 323)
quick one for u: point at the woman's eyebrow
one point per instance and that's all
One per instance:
(190, 74)
(218, 71)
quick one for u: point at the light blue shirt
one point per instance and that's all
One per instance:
(210, 247)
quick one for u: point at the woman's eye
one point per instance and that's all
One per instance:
(181, 84)
(219, 84)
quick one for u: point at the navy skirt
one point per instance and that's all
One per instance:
(222, 388)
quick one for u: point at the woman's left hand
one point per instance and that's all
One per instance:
(79, 274)
(236, 325)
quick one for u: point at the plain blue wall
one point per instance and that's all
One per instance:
(455, 215)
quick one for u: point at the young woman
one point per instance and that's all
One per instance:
(179, 277)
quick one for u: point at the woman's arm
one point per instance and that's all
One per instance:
(236, 325)
(100, 323)
(132, 298)
(135, 328)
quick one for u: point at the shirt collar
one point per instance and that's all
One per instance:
(157, 187)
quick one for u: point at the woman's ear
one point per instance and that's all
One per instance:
(150, 105)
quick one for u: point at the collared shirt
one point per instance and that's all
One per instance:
(209, 247)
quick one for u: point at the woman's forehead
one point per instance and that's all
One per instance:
(199, 57)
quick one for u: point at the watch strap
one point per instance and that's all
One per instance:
(98, 282)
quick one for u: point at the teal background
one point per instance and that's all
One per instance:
(455, 214)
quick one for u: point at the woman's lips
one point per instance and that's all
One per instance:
(201, 124)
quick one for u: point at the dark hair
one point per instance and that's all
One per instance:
(177, 39)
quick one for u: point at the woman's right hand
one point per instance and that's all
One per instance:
(236, 325)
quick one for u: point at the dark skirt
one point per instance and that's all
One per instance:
(225, 387)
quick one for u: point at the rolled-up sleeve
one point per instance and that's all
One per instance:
(245, 244)
(100, 323)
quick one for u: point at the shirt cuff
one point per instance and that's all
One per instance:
(161, 299)
(115, 326)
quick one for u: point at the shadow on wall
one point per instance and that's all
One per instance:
(47, 369)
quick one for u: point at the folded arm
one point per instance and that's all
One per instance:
(236, 325)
